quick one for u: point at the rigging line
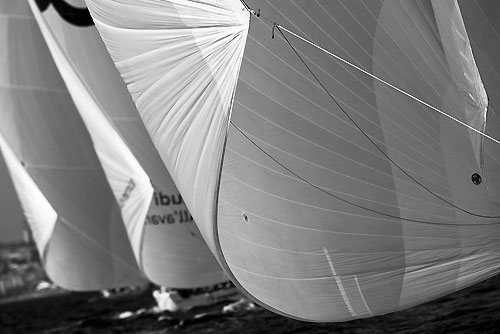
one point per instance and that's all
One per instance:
(278, 27)
(347, 201)
(246, 6)
(244, 3)
(250, 10)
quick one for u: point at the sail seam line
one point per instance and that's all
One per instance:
(378, 187)
(372, 252)
(97, 245)
(359, 205)
(329, 150)
(347, 89)
(387, 83)
(338, 232)
(322, 127)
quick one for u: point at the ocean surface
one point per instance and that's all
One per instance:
(473, 310)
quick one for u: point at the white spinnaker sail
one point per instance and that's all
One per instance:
(129, 182)
(76, 222)
(40, 215)
(343, 176)
(11, 221)
(168, 245)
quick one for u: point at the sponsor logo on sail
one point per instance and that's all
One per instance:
(177, 216)
(77, 16)
(127, 192)
(162, 200)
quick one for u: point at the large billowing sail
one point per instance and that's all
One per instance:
(166, 242)
(331, 152)
(129, 182)
(68, 203)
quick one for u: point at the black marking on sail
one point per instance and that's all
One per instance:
(476, 179)
(74, 15)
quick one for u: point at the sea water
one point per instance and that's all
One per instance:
(473, 310)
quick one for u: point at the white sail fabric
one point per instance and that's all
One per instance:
(481, 20)
(350, 182)
(11, 221)
(75, 219)
(203, 72)
(462, 68)
(40, 215)
(130, 184)
(167, 243)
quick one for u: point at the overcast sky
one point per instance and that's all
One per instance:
(11, 216)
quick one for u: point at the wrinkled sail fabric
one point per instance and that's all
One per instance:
(68, 203)
(165, 239)
(328, 192)
(194, 79)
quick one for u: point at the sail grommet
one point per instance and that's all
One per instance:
(476, 178)
(245, 217)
